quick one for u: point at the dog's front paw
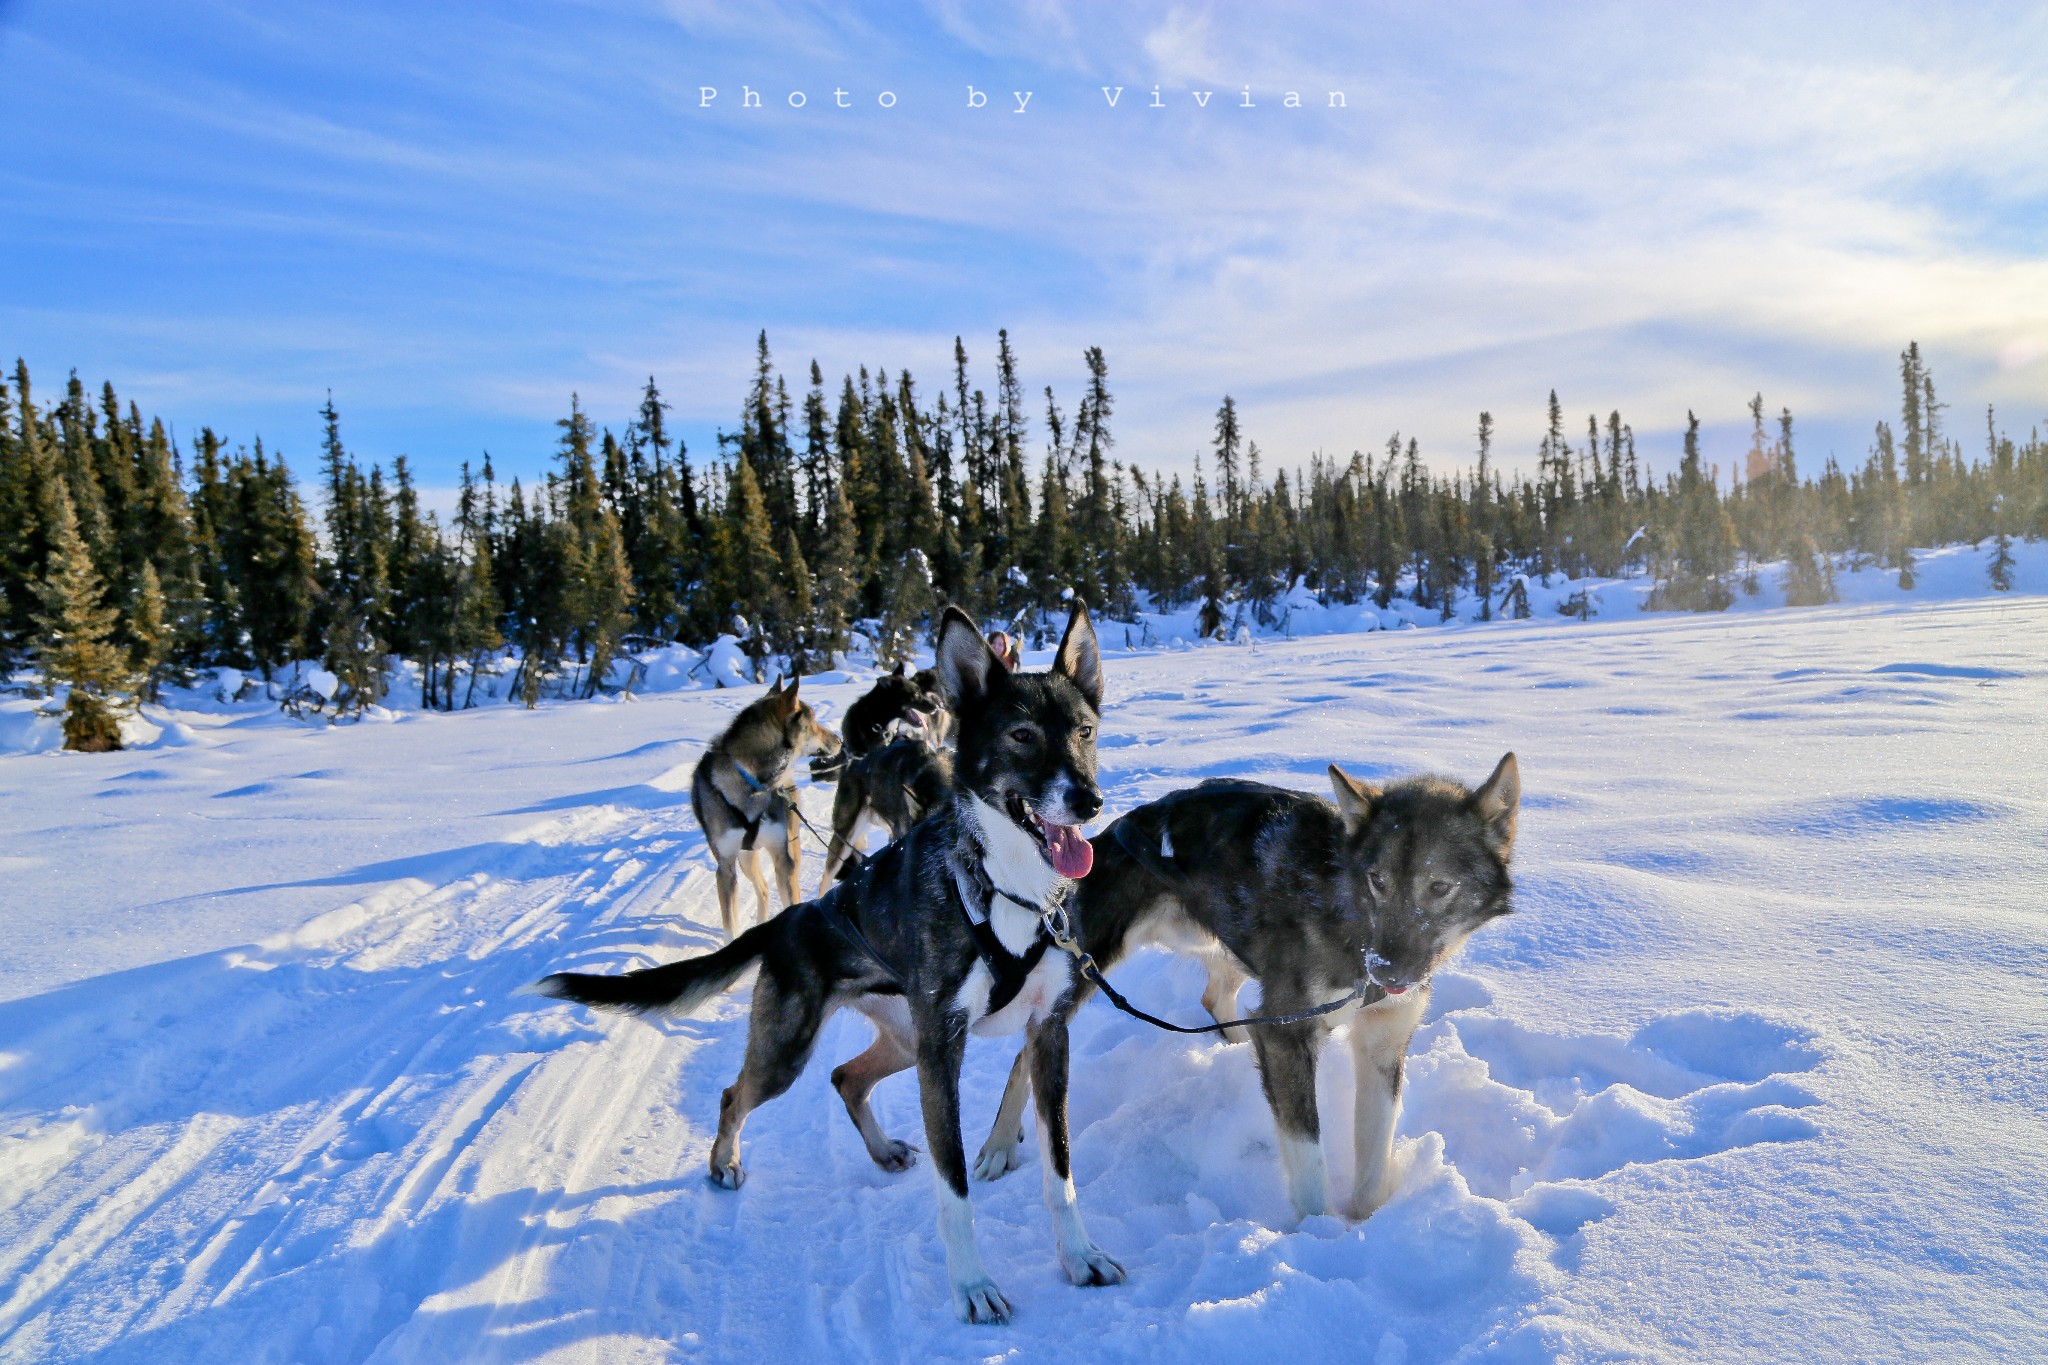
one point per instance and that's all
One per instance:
(899, 1156)
(980, 1301)
(1376, 1187)
(728, 1177)
(1089, 1264)
(998, 1160)
(1368, 1199)
(1358, 1210)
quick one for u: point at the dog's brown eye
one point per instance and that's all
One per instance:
(1376, 882)
(1024, 735)
(1087, 732)
(1439, 889)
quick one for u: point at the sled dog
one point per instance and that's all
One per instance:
(744, 788)
(891, 781)
(933, 938)
(894, 786)
(895, 704)
(1308, 898)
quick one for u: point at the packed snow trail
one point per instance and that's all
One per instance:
(1755, 1072)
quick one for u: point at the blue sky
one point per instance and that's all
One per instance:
(455, 215)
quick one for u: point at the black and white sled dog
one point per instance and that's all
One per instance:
(744, 788)
(1308, 898)
(934, 937)
(896, 770)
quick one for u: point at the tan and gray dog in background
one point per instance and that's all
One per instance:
(744, 791)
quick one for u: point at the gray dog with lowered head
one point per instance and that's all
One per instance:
(1309, 898)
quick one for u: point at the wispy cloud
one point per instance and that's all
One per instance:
(468, 216)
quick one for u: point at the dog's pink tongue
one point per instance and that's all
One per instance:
(1072, 854)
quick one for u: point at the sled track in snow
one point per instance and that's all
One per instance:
(235, 1120)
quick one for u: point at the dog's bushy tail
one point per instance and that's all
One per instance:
(679, 986)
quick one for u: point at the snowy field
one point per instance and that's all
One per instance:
(1755, 1073)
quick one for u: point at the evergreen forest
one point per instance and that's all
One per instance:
(128, 563)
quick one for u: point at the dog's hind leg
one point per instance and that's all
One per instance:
(1287, 1070)
(1379, 1048)
(725, 852)
(849, 803)
(1084, 1262)
(728, 897)
(940, 1047)
(788, 853)
(845, 838)
(780, 1035)
(1219, 996)
(894, 1048)
(750, 863)
(1003, 1151)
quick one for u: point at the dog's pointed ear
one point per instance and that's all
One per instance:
(965, 664)
(1354, 798)
(897, 672)
(1496, 803)
(1079, 660)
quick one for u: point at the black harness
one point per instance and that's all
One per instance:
(827, 907)
(1007, 971)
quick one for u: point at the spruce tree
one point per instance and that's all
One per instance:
(274, 561)
(753, 565)
(164, 531)
(606, 599)
(909, 602)
(1480, 520)
(355, 598)
(799, 610)
(1703, 538)
(149, 626)
(817, 458)
(1014, 485)
(75, 643)
(26, 486)
(1228, 446)
(1390, 533)
(1809, 581)
(838, 583)
(78, 462)
(2001, 563)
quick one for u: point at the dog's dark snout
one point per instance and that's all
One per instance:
(1086, 802)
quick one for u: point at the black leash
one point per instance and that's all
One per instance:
(1053, 923)
(854, 857)
(1010, 970)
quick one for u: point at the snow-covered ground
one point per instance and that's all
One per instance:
(1755, 1073)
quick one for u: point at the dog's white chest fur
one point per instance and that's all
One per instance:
(1041, 990)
